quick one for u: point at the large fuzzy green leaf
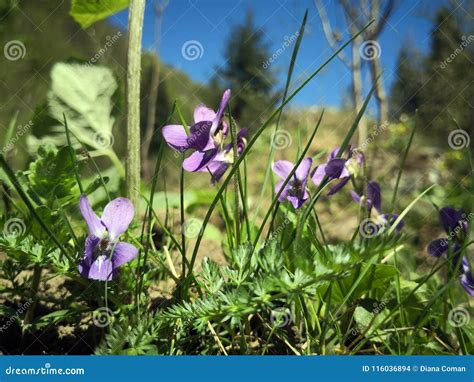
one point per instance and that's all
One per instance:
(84, 94)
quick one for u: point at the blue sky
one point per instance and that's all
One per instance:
(209, 22)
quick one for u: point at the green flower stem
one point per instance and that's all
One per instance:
(233, 134)
(135, 23)
(35, 282)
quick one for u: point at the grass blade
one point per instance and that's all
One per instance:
(408, 208)
(402, 165)
(285, 93)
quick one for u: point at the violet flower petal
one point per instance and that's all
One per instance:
(355, 196)
(123, 253)
(319, 174)
(391, 219)
(438, 247)
(465, 265)
(374, 195)
(467, 282)
(176, 137)
(450, 218)
(241, 142)
(284, 193)
(282, 168)
(340, 184)
(88, 257)
(199, 159)
(333, 153)
(101, 269)
(335, 167)
(93, 222)
(203, 113)
(298, 200)
(117, 216)
(218, 172)
(295, 201)
(303, 169)
(220, 112)
(199, 136)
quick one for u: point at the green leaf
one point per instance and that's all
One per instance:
(84, 94)
(52, 174)
(53, 318)
(87, 12)
(95, 184)
(365, 318)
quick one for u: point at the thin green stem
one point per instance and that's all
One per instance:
(402, 165)
(285, 93)
(73, 155)
(183, 227)
(135, 27)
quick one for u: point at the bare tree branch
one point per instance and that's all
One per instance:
(350, 11)
(330, 35)
(383, 18)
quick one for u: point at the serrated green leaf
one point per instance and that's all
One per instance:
(87, 12)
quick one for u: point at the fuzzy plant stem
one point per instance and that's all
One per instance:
(35, 282)
(233, 133)
(135, 23)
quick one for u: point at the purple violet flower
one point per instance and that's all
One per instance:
(206, 135)
(455, 227)
(225, 157)
(373, 201)
(103, 253)
(338, 168)
(295, 190)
